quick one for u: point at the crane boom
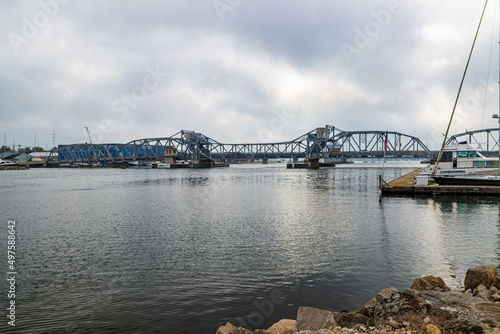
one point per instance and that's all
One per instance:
(88, 134)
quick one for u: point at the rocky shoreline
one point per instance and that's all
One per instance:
(428, 306)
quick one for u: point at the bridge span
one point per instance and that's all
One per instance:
(326, 142)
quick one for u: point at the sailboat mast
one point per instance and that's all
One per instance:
(499, 91)
(459, 90)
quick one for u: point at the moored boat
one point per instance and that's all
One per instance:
(469, 180)
(463, 159)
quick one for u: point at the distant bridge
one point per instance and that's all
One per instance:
(325, 142)
(488, 145)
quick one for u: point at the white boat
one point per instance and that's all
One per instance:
(160, 165)
(139, 164)
(464, 159)
(7, 163)
(459, 160)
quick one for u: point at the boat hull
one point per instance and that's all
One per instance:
(467, 181)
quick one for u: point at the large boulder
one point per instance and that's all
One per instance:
(460, 312)
(454, 311)
(314, 319)
(284, 326)
(398, 305)
(485, 275)
(429, 283)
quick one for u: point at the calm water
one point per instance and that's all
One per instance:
(184, 251)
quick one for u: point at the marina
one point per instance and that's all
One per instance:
(406, 185)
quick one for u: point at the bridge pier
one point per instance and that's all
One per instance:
(265, 161)
(203, 163)
(313, 163)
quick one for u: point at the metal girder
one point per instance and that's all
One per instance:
(373, 143)
(323, 142)
(487, 145)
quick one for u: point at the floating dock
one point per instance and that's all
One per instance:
(405, 186)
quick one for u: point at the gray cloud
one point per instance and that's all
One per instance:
(367, 65)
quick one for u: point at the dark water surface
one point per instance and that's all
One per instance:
(184, 251)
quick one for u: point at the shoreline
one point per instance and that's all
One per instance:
(427, 306)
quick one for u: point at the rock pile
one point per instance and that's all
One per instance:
(428, 306)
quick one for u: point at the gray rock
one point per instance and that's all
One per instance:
(484, 294)
(481, 287)
(429, 283)
(485, 275)
(461, 312)
(371, 303)
(386, 294)
(350, 319)
(455, 311)
(394, 324)
(314, 319)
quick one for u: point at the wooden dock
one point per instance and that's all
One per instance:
(405, 186)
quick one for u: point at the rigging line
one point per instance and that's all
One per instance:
(459, 90)
(489, 70)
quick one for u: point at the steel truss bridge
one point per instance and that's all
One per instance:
(323, 142)
(485, 140)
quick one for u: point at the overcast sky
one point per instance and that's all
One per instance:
(242, 71)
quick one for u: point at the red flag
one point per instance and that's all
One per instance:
(386, 142)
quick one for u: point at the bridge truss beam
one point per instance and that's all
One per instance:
(486, 140)
(323, 142)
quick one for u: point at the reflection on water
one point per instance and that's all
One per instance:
(184, 251)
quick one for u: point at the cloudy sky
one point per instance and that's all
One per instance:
(242, 70)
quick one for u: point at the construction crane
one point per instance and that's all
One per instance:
(88, 134)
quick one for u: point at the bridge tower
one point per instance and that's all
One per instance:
(316, 144)
(200, 147)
